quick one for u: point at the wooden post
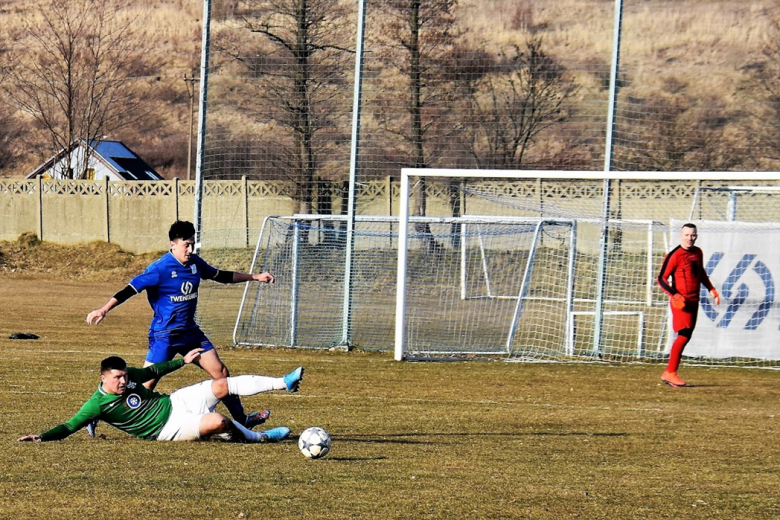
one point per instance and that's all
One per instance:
(540, 195)
(462, 196)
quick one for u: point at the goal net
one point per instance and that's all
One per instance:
(527, 269)
(316, 301)
(621, 228)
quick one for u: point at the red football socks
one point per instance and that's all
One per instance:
(676, 354)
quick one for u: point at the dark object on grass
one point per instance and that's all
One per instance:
(23, 335)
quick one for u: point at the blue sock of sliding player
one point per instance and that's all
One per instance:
(236, 409)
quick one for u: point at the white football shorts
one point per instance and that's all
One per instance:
(189, 405)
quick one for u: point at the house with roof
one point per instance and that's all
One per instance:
(107, 159)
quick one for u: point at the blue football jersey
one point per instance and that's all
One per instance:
(172, 291)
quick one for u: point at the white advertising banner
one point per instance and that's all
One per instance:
(743, 263)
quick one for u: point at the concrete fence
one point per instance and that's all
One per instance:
(137, 215)
(134, 215)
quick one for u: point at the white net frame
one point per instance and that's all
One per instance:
(652, 333)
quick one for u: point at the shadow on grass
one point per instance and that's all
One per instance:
(412, 438)
(352, 459)
(687, 385)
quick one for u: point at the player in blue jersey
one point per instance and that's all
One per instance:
(171, 284)
(187, 414)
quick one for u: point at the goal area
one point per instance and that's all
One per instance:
(524, 266)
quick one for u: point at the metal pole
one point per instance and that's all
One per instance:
(204, 81)
(346, 320)
(571, 267)
(529, 265)
(191, 94)
(400, 285)
(107, 190)
(294, 283)
(607, 184)
(613, 84)
(251, 270)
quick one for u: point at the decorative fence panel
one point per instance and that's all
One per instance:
(136, 215)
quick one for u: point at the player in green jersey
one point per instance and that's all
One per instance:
(123, 401)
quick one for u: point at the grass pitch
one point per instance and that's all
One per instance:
(410, 440)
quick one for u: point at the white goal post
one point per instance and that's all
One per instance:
(626, 323)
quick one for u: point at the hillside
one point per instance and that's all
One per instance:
(694, 51)
(172, 30)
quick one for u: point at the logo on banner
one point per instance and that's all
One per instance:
(736, 289)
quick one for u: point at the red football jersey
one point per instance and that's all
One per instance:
(685, 268)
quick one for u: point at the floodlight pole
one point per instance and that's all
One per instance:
(346, 319)
(204, 81)
(607, 184)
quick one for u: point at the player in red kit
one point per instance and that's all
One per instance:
(682, 274)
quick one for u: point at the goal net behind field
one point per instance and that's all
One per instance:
(313, 303)
(473, 284)
(522, 279)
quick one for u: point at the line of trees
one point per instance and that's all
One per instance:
(421, 80)
(76, 80)
(434, 96)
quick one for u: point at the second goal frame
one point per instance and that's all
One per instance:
(606, 219)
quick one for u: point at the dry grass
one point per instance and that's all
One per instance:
(700, 44)
(411, 440)
(96, 261)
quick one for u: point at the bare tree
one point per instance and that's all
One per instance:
(298, 70)
(510, 107)
(75, 74)
(418, 40)
(9, 133)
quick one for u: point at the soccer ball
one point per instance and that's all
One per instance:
(314, 443)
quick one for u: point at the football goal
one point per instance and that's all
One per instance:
(516, 266)
(622, 225)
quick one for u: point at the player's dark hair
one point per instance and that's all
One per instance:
(690, 225)
(181, 229)
(112, 363)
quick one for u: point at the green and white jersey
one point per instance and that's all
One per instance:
(138, 411)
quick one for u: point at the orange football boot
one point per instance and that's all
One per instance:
(672, 379)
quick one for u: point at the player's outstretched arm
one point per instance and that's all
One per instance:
(96, 316)
(30, 438)
(261, 277)
(239, 277)
(158, 370)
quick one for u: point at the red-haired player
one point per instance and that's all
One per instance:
(681, 276)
